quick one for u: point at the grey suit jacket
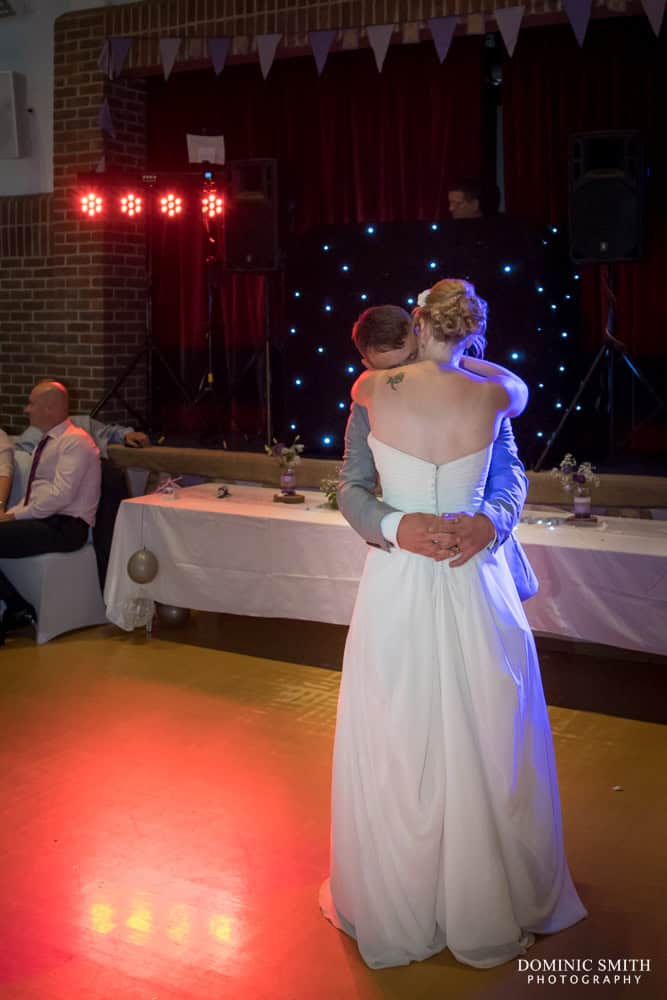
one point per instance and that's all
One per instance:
(504, 497)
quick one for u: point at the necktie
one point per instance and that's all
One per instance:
(33, 468)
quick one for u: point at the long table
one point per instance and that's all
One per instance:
(245, 554)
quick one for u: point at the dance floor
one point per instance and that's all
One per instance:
(165, 831)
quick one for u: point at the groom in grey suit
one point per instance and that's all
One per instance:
(385, 338)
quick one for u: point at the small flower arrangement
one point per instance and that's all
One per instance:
(287, 455)
(330, 488)
(578, 479)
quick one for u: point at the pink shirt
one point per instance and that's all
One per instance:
(68, 477)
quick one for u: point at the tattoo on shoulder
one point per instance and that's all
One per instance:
(394, 380)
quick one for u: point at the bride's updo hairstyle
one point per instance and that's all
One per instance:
(454, 312)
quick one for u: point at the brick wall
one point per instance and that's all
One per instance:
(72, 294)
(72, 303)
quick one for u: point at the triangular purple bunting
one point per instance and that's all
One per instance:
(509, 21)
(218, 50)
(168, 51)
(442, 31)
(579, 14)
(119, 49)
(266, 47)
(379, 35)
(320, 43)
(105, 121)
(104, 58)
(655, 11)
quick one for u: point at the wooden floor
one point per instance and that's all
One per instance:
(165, 830)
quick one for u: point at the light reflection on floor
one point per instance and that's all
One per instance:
(165, 831)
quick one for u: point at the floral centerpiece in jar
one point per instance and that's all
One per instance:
(287, 456)
(329, 487)
(578, 480)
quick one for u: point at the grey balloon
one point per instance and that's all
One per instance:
(142, 566)
(169, 614)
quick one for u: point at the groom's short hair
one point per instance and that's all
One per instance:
(381, 328)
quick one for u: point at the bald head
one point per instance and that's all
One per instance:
(48, 405)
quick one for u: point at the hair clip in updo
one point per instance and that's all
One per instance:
(422, 297)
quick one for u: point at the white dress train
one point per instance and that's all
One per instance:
(446, 824)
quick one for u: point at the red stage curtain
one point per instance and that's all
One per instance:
(352, 146)
(551, 89)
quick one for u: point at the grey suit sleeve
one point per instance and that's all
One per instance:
(359, 481)
(506, 485)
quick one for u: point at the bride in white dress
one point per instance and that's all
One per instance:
(446, 824)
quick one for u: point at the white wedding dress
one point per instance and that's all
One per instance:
(446, 824)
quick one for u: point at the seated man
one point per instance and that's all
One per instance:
(6, 469)
(61, 495)
(102, 434)
(114, 486)
(385, 338)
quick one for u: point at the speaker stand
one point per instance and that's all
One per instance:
(610, 350)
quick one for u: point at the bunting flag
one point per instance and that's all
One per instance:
(579, 14)
(320, 43)
(168, 51)
(379, 35)
(266, 47)
(509, 21)
(119, 50)
(104, 58)
(105, 121)
(655, 11)
(218, 50)
(442, 32)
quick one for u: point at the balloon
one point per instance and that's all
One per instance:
(142, 567)
(170, 615)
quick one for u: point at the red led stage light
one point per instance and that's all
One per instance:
(212, 204)
(131, 204)
(91, 204)
(171, 204)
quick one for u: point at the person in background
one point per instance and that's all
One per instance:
(60, 499)
(102, 434)
(114, 485)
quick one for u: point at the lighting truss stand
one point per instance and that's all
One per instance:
(610, 350)
(149, 351)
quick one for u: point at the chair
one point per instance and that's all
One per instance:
(63, 588)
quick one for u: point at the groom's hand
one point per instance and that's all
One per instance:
(462, 536)
(422, 533)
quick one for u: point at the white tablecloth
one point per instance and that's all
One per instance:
(247, 555)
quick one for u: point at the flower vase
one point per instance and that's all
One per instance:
(582, 506)
(288, 482)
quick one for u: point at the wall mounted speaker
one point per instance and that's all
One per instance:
(606, 203)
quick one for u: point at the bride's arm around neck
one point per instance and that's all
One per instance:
(516, 390)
